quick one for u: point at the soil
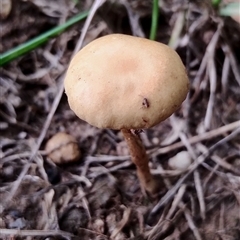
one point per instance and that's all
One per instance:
(99, 196)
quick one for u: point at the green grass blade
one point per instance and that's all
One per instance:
(37, 41)
(154, 25)
(230, 9)
(216, 3)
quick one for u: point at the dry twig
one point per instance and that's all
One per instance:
(194, 166)
(196, 176)
(55, 104)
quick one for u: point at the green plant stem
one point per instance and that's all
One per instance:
(216, 3)
(39, 40)
(154, 25)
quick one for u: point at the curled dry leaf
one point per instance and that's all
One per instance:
(63, 148)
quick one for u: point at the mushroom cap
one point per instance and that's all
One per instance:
(120, 81)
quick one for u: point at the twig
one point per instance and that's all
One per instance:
(93, 232)
(164, 227)
(200, 194)
(211, 174)
(235, 185)
(56, 101)
(101, 159)
(122, 223)
(213, 85)
(222, 162)
(140, 220)
(168, 196)
(191, 224)
(133, 19)
(211, 169)
(197, 79)
(105, 158)
(177, 200)
(16, 156)
(221, 218)
(13, 121)
(39, 142)
(158, 151)
(225, 73)
(210, 51)
(18, 232)
(196, 176)
(80, 179)
(166, 173)
(85, 203)
(177, 29)
(97, 173)
(234, 65)
(39, 161)
(209, 55)
(93, 10)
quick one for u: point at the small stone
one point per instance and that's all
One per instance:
(63, 148)
(181, 161)
(155, 141)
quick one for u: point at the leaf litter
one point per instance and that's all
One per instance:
(99, 197)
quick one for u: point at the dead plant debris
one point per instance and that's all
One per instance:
(99, 197)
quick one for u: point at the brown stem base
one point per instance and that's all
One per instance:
(140, 159)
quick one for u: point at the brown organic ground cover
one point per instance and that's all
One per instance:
(99, 197)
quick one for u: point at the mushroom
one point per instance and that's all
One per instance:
(181, 161)
(127, 83)
(62, 148)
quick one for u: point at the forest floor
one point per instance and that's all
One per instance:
(99, 196)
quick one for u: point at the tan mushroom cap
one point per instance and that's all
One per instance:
(63, 148)
(120, 81)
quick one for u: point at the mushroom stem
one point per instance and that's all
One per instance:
(140, 159)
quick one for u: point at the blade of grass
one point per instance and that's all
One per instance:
(216, 3)
(39, 40)
(154, 25)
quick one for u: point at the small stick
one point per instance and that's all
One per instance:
(168, 196)
(95, 6)
(18, 232)
(198, 138)
(122, 223)
(191, 224)
(210, 51)
(196, 175)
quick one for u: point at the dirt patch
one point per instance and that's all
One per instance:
(99, 197)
